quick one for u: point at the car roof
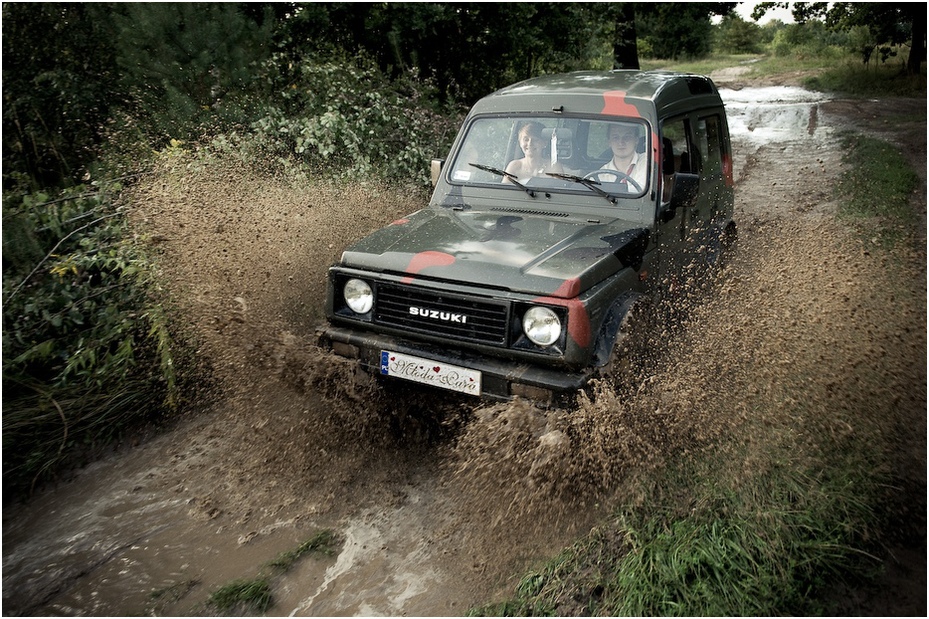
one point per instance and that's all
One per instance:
(619, 92)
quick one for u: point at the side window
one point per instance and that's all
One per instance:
(675, 147)
(709, 139)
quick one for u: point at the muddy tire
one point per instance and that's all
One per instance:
(721, 250)
(631, 353)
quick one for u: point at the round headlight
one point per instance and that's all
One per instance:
(542, 326)
(358, 296)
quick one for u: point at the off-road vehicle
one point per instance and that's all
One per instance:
(539, 239)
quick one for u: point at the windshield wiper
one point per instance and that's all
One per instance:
(586, 182)
(504, 174)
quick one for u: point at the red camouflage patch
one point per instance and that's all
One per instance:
(427, 259)
(614, 104)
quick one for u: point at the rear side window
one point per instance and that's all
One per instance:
(677, 149)
(710, 140)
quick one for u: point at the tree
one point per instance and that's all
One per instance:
(737, 36)
(468, 49)
(59, 83)
(186, 63)
(625, 45)
(677, 30)
(888, 23)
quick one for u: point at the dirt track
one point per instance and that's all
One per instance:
(440, 502)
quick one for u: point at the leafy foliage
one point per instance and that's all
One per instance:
(737, 36)
(86, 349)
(466, 49)
(345, 120)
(675, 31)
(58, 89)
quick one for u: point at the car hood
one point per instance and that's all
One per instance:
(551, 254)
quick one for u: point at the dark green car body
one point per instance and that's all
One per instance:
(445, 291)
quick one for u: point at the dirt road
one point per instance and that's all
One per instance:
(440, 503)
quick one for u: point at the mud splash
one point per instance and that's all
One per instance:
(441, 502)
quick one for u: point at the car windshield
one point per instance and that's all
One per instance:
(594, 156)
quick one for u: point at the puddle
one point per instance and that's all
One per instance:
(382, 569)
(775, 113)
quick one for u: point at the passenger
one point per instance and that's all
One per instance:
(534, 161)
(624, 139)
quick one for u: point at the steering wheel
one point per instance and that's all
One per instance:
(615, 176)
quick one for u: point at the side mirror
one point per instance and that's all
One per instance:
(684, 192)
(435, 170)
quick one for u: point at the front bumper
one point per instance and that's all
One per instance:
(502, 379)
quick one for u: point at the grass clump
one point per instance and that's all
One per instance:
(256, 593)
(765, 558)
(239, 594)
(854, 78)
(322, 543)
(875, 190)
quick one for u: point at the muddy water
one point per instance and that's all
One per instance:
(439, 502)
(773, 114)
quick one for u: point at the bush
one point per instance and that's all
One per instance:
(86, 350)
(350, 121)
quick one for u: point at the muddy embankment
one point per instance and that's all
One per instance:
(440, 502)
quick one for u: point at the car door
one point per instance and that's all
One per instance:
(693, 150)
(704, 222)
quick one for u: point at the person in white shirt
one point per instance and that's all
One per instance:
(623, 141)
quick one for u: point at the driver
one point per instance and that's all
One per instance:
(624, 138)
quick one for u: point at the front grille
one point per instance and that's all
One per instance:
(443, 315)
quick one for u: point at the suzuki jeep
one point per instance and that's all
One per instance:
(564, 202)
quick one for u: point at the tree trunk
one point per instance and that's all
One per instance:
(625, 50)
(918, 50)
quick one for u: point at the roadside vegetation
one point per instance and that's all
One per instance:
(710, 541)
(875, 189)
(251, 595)
(93, 350)
(88, 344)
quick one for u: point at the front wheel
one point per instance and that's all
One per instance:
(720, 250)
(631, 352)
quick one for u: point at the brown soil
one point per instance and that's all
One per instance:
(440, 502)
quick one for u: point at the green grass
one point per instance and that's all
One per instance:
(322, 543)
(829, 71)
(855, 79)
(254, 594)
(765, 547)
(875, 190)
(257, 593)
(702, 66)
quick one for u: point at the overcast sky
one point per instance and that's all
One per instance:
(744, 9)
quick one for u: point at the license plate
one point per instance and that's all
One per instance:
(428, 372)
